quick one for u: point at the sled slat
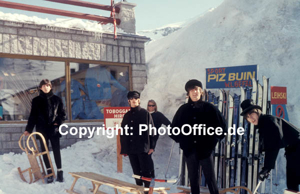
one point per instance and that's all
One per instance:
(204, 190)
(118, 185)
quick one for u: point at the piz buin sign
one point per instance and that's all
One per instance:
(230, 77)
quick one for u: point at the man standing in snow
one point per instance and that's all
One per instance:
(198, 148)
(276, 133)
(47, 114)
(139, 147)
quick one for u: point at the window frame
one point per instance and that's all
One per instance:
(67, 62)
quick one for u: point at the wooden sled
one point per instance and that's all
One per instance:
(204, 190)
(36, 171)
(119, 186)
(290, 192)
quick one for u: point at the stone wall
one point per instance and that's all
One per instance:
(40, 40)
(11, 133)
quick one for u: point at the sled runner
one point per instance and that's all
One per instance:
(119, 186)
(204, 190)
(290, 192)
(36, 170)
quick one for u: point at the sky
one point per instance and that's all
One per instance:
(149, 14)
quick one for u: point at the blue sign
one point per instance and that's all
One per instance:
(279, 110)
(230, 77)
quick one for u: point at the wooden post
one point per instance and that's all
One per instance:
(119, 156)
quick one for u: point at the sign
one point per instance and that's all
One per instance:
(279, 110)
(230, 77)
(278, 95)
(114, 115)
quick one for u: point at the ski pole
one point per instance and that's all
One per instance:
(169, 158)
(257, 187)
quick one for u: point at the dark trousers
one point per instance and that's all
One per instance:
(193, 165)
(56, 151)
(142, 164)
(293, 168)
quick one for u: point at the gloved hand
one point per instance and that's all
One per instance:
(264, 173)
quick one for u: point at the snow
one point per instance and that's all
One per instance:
(236, 33)
(70, 23)
(96, 155)
(158, 33)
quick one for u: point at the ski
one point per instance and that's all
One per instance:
(239, 143)
(222, 144)
(251, 134)
(245, 148)
(256, 141)
(236, 104)
(219, 102)
(225, 113)
(264, 111)
(228, 142)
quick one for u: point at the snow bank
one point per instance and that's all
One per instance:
(238, 32)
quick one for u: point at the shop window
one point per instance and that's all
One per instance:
(94, 87)
(19, 80)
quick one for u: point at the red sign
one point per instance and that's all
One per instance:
(278, 95)
(114, 115)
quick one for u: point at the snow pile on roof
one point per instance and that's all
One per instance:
(71, 23)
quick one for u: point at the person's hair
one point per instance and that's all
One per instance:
(45, 81)
(255, 110)
(155, 110)
(191, 88)
(194, 87)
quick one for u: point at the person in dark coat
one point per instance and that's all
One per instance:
(276, 133)
(47, 114)
(139, 147)
(158, 118)
(198, 148)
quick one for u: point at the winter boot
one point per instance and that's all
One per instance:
(60, 177)
(50, 178)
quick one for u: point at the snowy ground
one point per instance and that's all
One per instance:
(238, 32)
(96, 155)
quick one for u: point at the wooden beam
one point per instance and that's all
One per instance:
(57, 12)
(86, 4)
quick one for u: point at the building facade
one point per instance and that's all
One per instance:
(88, 70)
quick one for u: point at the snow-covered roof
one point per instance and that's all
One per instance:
(63, 25)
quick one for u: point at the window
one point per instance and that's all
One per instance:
(19, 80)
(95, 86)
(92, 86)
